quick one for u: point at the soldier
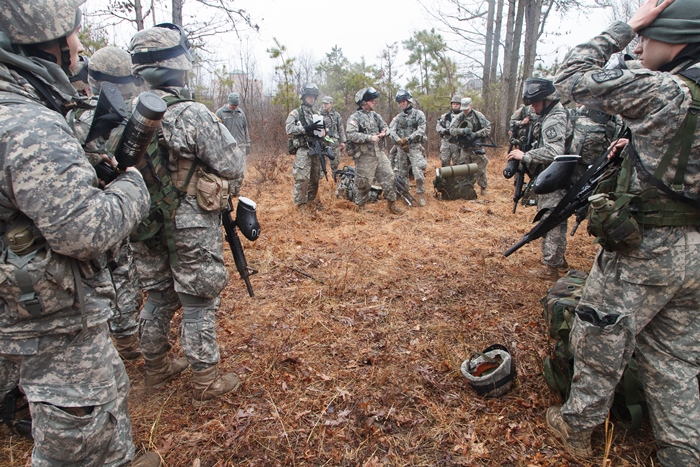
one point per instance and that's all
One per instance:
(365, 128)
(593, 133)
(523, 125)
(113, 65)
(236, 122)
(335, 130)
(183, 265)
(79, 79)
(644, 299)
(553, 130)
(467, 127)
(302, 124)
(56, 226)
(407, 129)
(449, 152)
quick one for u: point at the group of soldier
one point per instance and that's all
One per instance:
(363, 140)
(71, 243)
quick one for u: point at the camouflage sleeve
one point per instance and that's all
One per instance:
(198, 133)
(417, 136)
(293, 126)
(553, 138)
(485, 125)
(392, 129)
(54, 185)
(517, 118)
(220, 113)
(341, 130)
(625, 92)
(440, 125)
(353, 131)
(245, 129)
(381, 124)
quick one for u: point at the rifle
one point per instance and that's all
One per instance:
(403, 191)
(518, 168)
(574, 202)
(247, 222)
(316, 149)
(490, 144)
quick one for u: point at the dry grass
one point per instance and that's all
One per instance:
(350, 350)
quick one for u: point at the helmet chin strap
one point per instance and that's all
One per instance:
(65, 55)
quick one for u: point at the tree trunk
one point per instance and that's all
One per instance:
(533, 15)
(488, 47)
(177, 11)
(138, 13)
(511, 57)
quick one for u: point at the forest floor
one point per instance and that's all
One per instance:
(350, 351)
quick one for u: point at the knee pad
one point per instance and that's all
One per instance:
(193, 307)
(155, 300)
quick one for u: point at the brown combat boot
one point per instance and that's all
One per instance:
(160, 369)
(483, 191)
(394, 208)
(150, 459)
(208, 385)
(421, 200)
(128, 346)
(547, 273)
(577, 443)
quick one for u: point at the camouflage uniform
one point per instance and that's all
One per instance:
(371, 162)
(335, 130)
(449, 152)
(650, 294)
(193, 137)
(477, 123)
(116, 63)
(69, 370)
(410, 124)
(553, 129)
(593, 133)
(306, 169)
(237, 124)
(521, 131)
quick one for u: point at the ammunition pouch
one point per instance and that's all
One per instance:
(292, 146)
(611, 221)
(212, 191)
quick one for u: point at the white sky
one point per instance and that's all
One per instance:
(361, 28)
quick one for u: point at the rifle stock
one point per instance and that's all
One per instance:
(234, 243)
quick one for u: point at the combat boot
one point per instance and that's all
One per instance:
(483, 191)
(394, 208)
(128, 346)
(150, 459)
(161, 369)
(577, 443)
(563, 269)
(547, 273)
(421, 200)
(208, 385)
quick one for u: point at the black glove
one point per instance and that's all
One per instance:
(309, 129)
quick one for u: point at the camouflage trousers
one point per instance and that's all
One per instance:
(415, 159)
(129, 298)
(194, 285)
(554, 242)
(77, 389)
(335, 163)
(449, 153)
(650, 297)
(9, 375)
(369, 166)
(306, 171)
(469, 156)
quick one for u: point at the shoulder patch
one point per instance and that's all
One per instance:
(606, 75)
(550, 133)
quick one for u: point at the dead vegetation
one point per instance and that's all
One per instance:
(350, 350)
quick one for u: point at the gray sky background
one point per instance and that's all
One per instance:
(361, 28)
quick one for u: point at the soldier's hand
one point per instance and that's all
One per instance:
(455, 131)
(526, 120)
(375, 138)
(310, 128)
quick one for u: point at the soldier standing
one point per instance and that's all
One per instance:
(303, 123)
(192, 276)
(236, 122)
(593, 133)
(113, 65)
(645, 298)
(449, 152)
(57, 223)
(523, 127)
(469, 125)
(407, 130)
(365, 128)
(334, 129)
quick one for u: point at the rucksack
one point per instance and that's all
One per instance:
(559, 307)
(454, 188)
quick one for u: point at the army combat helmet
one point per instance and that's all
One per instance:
(404, 95)
(113, 65)
(366, 94)
(309, 89)
(163, 46)
(537, 89)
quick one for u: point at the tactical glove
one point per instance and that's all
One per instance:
(516, 142)
(403, 144)
(309, 129)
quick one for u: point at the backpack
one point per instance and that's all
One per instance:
(454, 187)
(559, 307)
(156, 228)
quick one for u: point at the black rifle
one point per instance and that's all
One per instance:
(574, 202)
(518, 168)
(403, 191)
(317, 149)
(248, 224)
(479, 142)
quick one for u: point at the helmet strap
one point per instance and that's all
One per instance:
(65, 55)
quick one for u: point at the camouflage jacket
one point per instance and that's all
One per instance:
(191, 131)
(409, 124)
(236, 123)
(361, 126)
(49, 186)
(334, 125)
(476, 122)
(80, 121)
(651, 103)
(553, 128)
(443, 124)
(294, 126)
(593, 133)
